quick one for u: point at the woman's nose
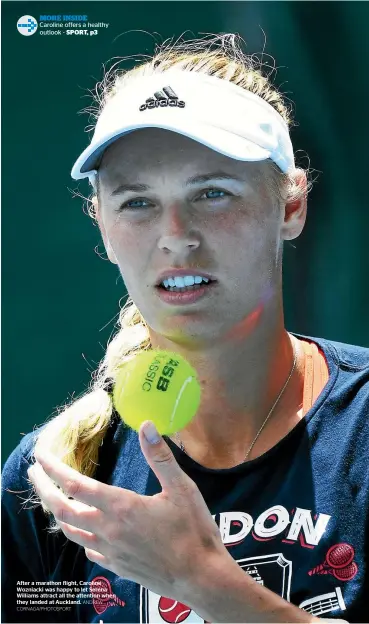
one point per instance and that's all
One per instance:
(177, 233)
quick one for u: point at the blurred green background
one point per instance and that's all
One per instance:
(60, 298)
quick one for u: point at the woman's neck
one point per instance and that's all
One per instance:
(240, 382)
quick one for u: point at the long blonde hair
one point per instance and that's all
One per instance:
(76, 433)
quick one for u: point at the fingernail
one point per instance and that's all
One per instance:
(150, 433)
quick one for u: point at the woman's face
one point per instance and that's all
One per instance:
(157, 212)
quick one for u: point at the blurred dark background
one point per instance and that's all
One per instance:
(60, 298)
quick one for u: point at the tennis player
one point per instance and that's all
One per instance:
(257, 511)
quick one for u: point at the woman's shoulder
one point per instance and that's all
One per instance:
(346, 355)
(20, 515)
(14, 472)
(350, 356)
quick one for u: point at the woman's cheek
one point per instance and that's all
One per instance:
(122, 237)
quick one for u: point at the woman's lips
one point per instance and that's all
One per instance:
(187, 296)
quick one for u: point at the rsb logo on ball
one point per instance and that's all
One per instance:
(162, 99)
(166, 372)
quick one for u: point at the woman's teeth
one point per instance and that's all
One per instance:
(188, 282)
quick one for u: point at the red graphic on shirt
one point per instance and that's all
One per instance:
(173, 611)
(338, 562)
(103, 596)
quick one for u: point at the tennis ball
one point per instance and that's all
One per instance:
(160, 386)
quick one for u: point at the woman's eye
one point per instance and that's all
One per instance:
(137, 204)
(214, 194)
(131, 204)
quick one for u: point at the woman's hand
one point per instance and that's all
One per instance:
(164, 542)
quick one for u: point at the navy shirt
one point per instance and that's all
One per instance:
(296, 518)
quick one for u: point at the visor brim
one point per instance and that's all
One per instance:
(219, 140)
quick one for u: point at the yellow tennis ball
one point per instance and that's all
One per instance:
(160, 386)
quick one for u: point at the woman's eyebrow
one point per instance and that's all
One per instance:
(217, 175)
(198, 179)
(135, 188)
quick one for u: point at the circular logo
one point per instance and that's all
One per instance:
(27, 25)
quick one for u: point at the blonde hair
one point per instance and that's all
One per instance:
(77, 432)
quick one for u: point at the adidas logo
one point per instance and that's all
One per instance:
(163, 98)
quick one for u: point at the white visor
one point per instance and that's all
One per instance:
(209, 110)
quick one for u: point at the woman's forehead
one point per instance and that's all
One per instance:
(152, 151)
(156, 145)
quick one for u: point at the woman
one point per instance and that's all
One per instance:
(256, 511)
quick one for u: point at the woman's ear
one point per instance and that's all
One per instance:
(295, 207)
(106, 241)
